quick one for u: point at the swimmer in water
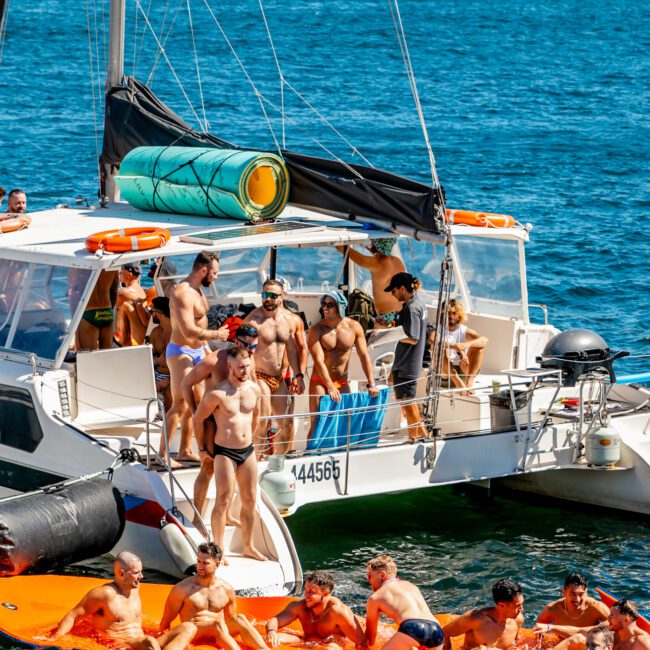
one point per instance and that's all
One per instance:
(495, 627)
(574, 610)
(403, 602)
(323, 617)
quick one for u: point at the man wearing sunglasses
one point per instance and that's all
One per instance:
(210, 372)
(330, 343)
(279, 335)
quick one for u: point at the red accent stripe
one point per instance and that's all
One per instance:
(148, 513)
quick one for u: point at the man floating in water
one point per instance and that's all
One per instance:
(323, 617)
(496, 626)
(403, 602)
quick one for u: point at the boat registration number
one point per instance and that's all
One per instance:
(321, 470)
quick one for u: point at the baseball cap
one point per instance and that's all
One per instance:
(401, 279)
(132, 267)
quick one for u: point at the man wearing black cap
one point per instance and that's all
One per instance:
(132, 317)
(409, 352)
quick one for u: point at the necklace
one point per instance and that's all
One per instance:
(573, 618)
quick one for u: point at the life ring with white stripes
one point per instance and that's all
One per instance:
(128, 239)
(14, 223)
(479, 219)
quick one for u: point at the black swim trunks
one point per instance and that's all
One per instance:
(427, 634)
(239, 456)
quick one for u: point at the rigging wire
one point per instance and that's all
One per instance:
(4, 19)
(277, 63)
(406, 57)
(137, 48)
(198, 70)
(91, 61)
(248, 77)
(169, 63)
(169, 31)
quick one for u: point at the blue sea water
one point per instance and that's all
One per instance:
(539, 110)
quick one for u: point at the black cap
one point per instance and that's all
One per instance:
(132, 267)
(401, 279)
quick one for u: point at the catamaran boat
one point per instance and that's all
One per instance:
(546, 412)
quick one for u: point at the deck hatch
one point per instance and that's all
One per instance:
(210, 237)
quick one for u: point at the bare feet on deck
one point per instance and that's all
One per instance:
(231, 521)
(187, 456)
(255, 554)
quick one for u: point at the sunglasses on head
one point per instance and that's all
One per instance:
(270, 295)
(247, 346)
(329, 305)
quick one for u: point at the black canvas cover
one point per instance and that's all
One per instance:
(135, 117)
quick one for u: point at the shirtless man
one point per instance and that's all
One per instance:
(330, 343)
(132, 317)
(95, 329)
(382, 266)
(210, 372)
(115, 608)
(279, 331)
(323, 617)
(207, 605)
(495, 627)
(159, 338)
(464, 349)
(402, 602)
(574, 610)
(622, 622)
(16, 202)
(234, 405)
(189, 308)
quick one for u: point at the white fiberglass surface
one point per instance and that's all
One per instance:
(491, 269)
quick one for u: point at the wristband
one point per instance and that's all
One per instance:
(370, 385)
(300, 375)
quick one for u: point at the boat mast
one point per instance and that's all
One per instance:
(114, 74)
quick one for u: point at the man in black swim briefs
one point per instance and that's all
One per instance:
(234, 403)
(402, 602)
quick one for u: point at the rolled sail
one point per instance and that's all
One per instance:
(226, 183)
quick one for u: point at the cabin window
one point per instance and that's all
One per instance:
(36, 317)
(312, 270)
(19, 425)
(423, 259)
(492, 272)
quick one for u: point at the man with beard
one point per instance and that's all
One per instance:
(159, 338)
(207, 375)
(208, 605)
(323, 617)
(234, 405)
(16, 202)
(279, 333)
(187, 346)
(115, 608)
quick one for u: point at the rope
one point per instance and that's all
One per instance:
(169, 31)
(406, 57)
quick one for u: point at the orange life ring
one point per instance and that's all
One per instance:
(128, 239)
(14, 223)
(480, 219)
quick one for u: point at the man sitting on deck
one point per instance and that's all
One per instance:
(574, 610)
(207, 607)
(464, 348)
(323, 617)
(330, 342)
(496, 626)
(115, 608)
(404, 603)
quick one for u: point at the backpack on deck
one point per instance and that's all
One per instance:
(361, 307)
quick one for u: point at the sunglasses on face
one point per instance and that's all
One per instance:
(270, 295)
(247, 346)
(328, 305)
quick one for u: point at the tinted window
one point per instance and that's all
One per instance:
(19, 426)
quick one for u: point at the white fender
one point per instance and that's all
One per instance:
(178, 544)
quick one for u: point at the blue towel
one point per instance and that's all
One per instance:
(331, 431)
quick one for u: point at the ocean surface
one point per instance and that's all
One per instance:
(539, 110)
